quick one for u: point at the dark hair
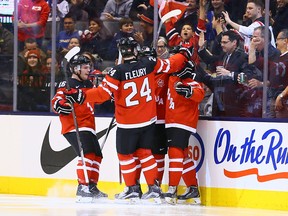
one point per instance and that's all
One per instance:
(258, 3)
(232, 36)
(70, 16)
(284, 32)
(30, 40)
(262, 29)
(125, 20)
(97, 20)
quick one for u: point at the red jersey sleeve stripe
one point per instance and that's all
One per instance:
(111, 85)
(168, 66)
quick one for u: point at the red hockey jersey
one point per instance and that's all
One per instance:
(84, 112)
(132, 86)
(174, 38)
(183, 112)
(161, 87)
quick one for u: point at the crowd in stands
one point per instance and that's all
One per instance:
(228, 40)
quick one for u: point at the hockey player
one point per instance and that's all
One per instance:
(132, 85)
(184, 96)
(159, 147)
(80, 68)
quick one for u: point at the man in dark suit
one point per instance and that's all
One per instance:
(226, 67)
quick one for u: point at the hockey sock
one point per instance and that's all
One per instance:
(138, 167)
(148, 164)
(92, 163)
(189, 171)
(128, 169)
(176, 156)
(95, 169)
(160, 160)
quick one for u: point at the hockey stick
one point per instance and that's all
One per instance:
(167, 16)
(66, 59)
(107, 132)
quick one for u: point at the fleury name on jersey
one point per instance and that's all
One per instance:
(135, 73)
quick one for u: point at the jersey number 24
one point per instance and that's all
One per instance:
(145, 91)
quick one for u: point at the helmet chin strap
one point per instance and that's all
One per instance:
(78, 73)
(79, 76)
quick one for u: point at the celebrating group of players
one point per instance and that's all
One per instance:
(156, 110)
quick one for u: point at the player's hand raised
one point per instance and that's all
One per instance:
(187, 51)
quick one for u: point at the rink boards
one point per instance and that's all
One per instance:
(238, 163)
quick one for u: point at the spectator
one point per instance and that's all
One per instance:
(97, 39)
(45, 99)
(80, 15)
(116, 9)
(217, 6)
(73, 42)
(281, 103)
(190, 16)
(29, 44)
(94, 8)
(279, 21)
(30, 83)
(254, 71)
(187, 36)
(126, 30)
(254, 11)
(32, 19)
(6, 41)
(62, 10)
(145, 36)
(216, 48)
(226, 97)
(63, 37)
(162, 48)
(138, 7)
(236, 9)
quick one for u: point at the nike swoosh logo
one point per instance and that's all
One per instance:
(53, 161)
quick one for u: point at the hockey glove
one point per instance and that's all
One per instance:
(187, 71)
(63, 107)
(187, 51)
(75, 96)
(184, 90)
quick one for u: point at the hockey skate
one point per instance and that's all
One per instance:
(83, 194)
(130, 195)
(171, 195)
(153, 195)
(190, 196)
(97, 194)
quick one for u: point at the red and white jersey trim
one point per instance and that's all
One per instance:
(143, 124)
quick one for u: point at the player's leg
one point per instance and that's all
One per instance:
(192, 194)
(177, 140)
(92, 162)
(148, 164)
(126, 140)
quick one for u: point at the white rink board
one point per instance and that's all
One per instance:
(22, 138)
